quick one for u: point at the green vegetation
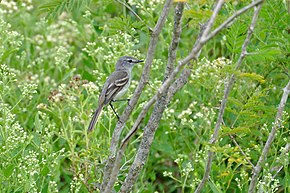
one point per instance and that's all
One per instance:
(56, 55)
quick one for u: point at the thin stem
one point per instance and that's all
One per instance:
(236, 143)
(134, 13)
(277, 124)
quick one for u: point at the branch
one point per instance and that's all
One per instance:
(169, 68)
(210, 22)
(151, 127)
(236, 143)
(182, 80)
(131, 177)
(277, 124)
(231, 18)
(144, 77)
(224, 100)
(175, 39)
(134, 99)
(286, 150)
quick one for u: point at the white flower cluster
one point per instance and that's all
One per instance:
(211, 71)
(205, 113)
(62, 57)
(187, 169)
(28, 90)
(90, 87)
(146, 5)
(7, 76)
(61, 33)
(30, 164)
(52, 187)
(268, 184)
(113, 48)
(91, 50)
(207, 68)
(10, 6)
(10, 40)
(53, 43)
(16, 137)
(76, 183)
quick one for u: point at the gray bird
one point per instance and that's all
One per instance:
(115, 86)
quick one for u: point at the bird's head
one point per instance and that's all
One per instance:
(127, 62)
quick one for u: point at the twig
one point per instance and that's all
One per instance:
(134, 13)
(286, 150)
(236, 143)
(134, 99)
(210, 22)
(224, 101)
(277, 124)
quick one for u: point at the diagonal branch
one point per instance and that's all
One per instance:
(284, 152)
(169, 68)
(134, 99)
(236, 143)
(224, 100)
(277, 124)
(144, 77)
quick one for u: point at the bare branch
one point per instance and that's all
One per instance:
(134, 99)
(144, 77)
(210, 22)
(182, 80)
(175, 39)
(129, 181)
(169, 67)
(136, 15)
(231, 18)
(224, 100)
(277, 124)
(156, 115)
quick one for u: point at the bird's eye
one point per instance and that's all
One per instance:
(130, 61)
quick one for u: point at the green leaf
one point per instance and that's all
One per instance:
(37, 123)
(8, 171)
(45, 170)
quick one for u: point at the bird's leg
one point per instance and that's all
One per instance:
(114, 110)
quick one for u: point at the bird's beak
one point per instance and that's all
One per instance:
(140, 61)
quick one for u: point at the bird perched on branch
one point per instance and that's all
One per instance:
(115, 86)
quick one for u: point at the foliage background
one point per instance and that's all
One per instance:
(55, 56)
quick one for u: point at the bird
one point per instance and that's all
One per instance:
(115, 86)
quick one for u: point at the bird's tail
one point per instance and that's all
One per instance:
(95, 118)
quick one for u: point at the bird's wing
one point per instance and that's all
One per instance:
(115, 82)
